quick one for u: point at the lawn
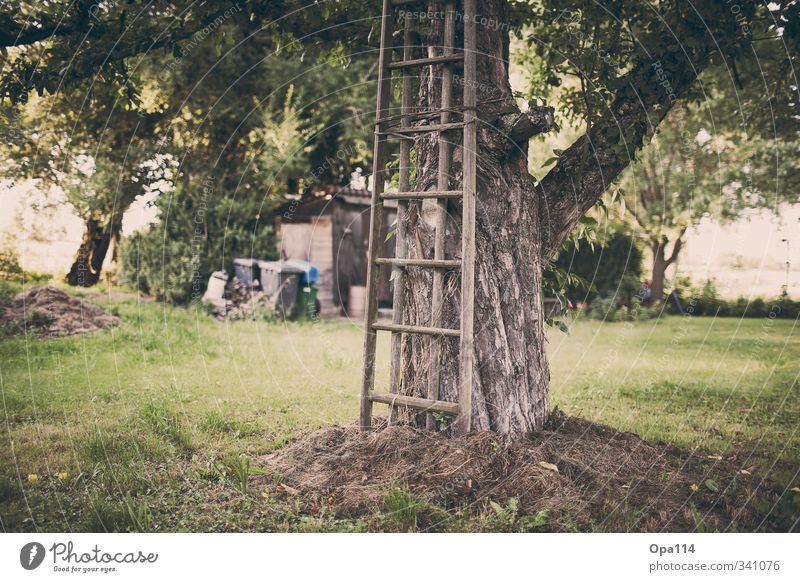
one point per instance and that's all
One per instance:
(151, 425)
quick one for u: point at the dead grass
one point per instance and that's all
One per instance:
(50, 312)
(577, 473)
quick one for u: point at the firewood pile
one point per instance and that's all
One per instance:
(241, 300)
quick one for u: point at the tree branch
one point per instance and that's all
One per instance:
(676, 248)
(564, 199)
(644, 97)
(514, 130)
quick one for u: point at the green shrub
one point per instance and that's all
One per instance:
(604, 309)
(10, 267)
(614, 269)
(609, 309)
(785, 308)
(705, 300)
(11, 270)
(202, 232)
(644, 313)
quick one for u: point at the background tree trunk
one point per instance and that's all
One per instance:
(657, 279)
(88, 264)
(660, 265)
(510, 395)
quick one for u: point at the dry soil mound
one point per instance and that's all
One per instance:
(584, 474)
(51, 312)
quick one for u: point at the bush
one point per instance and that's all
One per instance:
(644, 313)
(10, 267)
(11, 271)
(614, 269)
(705, 300)
(786, 308)
(604, 308)
(174, 258)
(609, 309)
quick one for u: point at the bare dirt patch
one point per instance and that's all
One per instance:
(579, 474)
(50, 312)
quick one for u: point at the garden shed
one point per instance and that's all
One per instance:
(330, 229)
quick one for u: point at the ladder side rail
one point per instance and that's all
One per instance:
(437, 295)
(376, 214)
(401, 240)
(470, 183)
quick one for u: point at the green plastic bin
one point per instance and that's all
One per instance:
(307, 304)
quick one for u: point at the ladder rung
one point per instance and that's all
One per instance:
(414, 402)
(396, 328)
(422, 128)
(427, 61)
(431, 263)
(421, 195)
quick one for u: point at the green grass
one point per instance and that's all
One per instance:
(151, 426)
(727, 385)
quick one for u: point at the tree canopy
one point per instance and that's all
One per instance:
(205, 82)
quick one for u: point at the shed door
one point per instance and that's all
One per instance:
(312, 242)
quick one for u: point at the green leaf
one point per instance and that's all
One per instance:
(712, 485)
(549, 161)
(535, 521)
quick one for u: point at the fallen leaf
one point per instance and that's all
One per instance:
(745, 472)
(714, 457)
(795, 489)
(712, 485)
(626, 486)
(33, 477)
(63, 475)
(548, 466)
(694, 487)
(283, 488)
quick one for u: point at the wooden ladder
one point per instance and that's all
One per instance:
(386, 127)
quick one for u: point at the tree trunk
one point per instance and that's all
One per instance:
(510, 393)
(519, 226)
(659, 268)
(88, 264)
(660, 265)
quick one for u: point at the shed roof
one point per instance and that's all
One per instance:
(323, 201)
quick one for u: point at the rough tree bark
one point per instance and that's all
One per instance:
(98, 238)
(510, 395)
(520, 225)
